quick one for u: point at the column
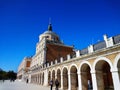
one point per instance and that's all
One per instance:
(46, 79)
(61, 81)
(69, 82)
(79, 82)
(94, 81)
(116, 81)
(55, 75)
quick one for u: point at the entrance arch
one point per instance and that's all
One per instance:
(74, 78)
(49, 77)
(43, 78)
(40, 78)
(65, 78)
(59, 77)
(86, 78)
(104, 76)
(53, 77)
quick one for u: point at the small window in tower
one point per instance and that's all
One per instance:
(47, 36)
(56, 38)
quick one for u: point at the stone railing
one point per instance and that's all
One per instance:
(108, 42)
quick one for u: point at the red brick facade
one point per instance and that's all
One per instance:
(55, 51)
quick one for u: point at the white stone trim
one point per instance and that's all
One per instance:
(53, 69)
(71, 67)
(58, 68)
(85, 62)
(63, 68)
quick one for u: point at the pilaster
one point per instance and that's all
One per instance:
(94, 81)
(116, 80)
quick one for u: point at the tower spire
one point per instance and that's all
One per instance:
(50, 25)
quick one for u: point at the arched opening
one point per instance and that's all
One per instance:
(118, 66)
(31, 78)
(74, 78)
(65, 78)
(53, 77)
(39, 78)
(35, 79)
(104, 76)
(42, 78)
(86, 77)
(49, 77)
(59, 77)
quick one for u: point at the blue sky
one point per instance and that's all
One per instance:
(77, 22)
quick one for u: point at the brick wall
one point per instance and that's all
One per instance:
(56, 51)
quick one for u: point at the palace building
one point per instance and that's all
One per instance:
(24, 68)
(96, 67)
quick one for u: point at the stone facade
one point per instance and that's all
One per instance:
(24, 68)
(96, 67)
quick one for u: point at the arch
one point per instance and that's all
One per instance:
(103, 68)
(53, 76)
(71, 67)
(86, 79)
(104, 59)
(74, 77)
(39, 78)
(49, 77)
(85, 62)
(43, 78)
(65, 77)
(63, 68)
(59, 76)
(58, 68)
(53, 70)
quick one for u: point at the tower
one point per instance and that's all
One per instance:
(49, 48)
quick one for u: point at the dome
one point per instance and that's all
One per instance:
(51, 33)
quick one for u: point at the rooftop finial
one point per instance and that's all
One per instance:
(50, 25)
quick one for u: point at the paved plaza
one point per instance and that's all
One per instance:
(17, 85)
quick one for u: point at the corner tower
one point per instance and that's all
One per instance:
(49, 48)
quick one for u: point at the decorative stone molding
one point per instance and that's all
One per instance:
(90, 49)
(51, 62)
(68, 57)
(108, 41)
(55, 61)
(47, 64)
(77, 53)
(61, 59)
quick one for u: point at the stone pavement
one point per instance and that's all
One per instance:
(17, 85)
